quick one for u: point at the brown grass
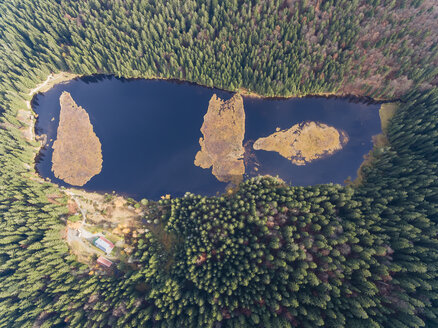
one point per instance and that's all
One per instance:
(386, 112)
(77, 154)
(303, 143)
(222, 145)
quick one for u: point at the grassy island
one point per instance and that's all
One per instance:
(222, 145)
(77, 155)
(303, 143)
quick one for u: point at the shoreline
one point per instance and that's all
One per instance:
(250, 94)
(380, 141)
(57, 78)
(49, 83)
(54, 79)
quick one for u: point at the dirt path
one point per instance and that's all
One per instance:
(39, 87)
(83, 212)
(28, 116)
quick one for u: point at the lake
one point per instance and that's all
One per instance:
(150, 130)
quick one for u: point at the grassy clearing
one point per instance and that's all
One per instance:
(386, 112)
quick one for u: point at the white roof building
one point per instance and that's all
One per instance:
(103, 244)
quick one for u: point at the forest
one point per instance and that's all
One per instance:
(269, 254)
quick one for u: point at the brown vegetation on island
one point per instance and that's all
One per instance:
(303, 143)
(77, 155)
(221, 147)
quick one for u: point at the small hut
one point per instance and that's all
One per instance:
(105, 262)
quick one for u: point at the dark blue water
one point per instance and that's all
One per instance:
(360, 121)
(150, 133)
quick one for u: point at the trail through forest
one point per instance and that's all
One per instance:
(51, 80)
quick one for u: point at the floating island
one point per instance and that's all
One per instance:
(77, 154)
(304, 142)
(222, 145)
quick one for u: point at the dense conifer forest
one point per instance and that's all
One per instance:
(268, 255)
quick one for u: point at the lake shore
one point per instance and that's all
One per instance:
(386, 113)
(51, 82)
(28, 117)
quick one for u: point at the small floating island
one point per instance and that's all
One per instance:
(305, 142)
(77, 155)
(222, 145)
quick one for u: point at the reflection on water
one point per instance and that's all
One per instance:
(150, 133)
